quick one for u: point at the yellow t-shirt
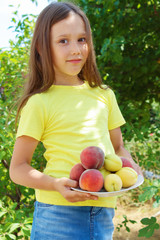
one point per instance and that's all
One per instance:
(67, 119)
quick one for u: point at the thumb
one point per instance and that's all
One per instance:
(71, 183)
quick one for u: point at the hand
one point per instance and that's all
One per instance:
(137, 168)
(64, 188)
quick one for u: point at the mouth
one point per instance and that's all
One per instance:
(74, 60)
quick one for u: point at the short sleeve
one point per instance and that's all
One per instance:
(32, 118)
(115, 118)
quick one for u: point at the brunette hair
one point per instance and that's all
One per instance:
(41, 71)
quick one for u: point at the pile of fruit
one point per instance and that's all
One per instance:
(97, 171)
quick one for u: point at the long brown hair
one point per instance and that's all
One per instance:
(41, 71)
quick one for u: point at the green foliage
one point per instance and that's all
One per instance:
(16, 205)
(145, 151)
(124, 223)
(15, 223)
(151, 190)
(149, 229)
(13, 64)
(127, 49)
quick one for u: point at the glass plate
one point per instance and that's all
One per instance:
(104, 193)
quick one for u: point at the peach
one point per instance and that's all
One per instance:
(104, 172)
(128, 176)
(126, 162)
(91, 180)
(112, 162)
(112, 182)
(76, 171)
(92, 157)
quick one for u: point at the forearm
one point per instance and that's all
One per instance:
(122, 152)
(22, 173)
(117, 141)
(26, 175)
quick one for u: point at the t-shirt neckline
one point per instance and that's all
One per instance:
(71, 86)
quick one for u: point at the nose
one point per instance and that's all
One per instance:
(74, 48)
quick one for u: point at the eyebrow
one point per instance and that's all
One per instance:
(67, 35)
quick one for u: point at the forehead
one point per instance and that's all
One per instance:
(73, 24)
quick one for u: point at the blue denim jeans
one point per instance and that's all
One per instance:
(52, 222)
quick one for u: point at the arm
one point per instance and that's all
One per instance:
(117, 142)
(22, 173)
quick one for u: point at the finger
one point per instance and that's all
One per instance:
(85, 197)
(75, 196)
(71, 183)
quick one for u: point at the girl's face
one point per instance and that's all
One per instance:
(69, 46)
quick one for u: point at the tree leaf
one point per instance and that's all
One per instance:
(147, 221)
(12, 236)
(132, 221)
(2, 213)
(142, 232)
(149, 230)
(128, 229)
(13, 227)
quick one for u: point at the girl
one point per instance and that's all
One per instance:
(66, 107)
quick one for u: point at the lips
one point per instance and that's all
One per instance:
(74, 60)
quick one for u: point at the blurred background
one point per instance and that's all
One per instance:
(126, 40)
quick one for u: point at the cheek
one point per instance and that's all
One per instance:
(85, 50)
(59, 55)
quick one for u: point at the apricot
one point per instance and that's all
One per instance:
(126, 162)
(76, 171)
(112, 182)
(91, 180)
(128, 176)
(92, 157)
(112, 163)
(104, 172)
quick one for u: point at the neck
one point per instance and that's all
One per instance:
(68, 81)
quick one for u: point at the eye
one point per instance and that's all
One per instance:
(82, 40)
(63, 41)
